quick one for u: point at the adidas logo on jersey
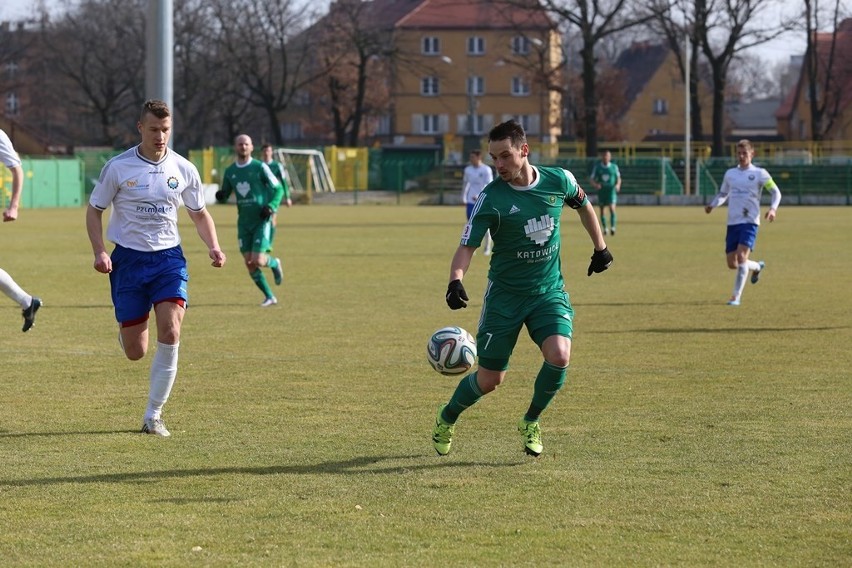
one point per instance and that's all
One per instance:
(514, 210)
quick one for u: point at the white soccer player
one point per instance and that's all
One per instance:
(476, 176)
(29, 304)
(145, 186)
(741, 188)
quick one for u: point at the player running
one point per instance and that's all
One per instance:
(606, 178)
(259, 194)
(522, 209)
(741, 188)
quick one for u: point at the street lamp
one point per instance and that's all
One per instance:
(471, 140)
(543, 119)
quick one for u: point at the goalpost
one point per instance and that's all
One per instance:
(306, 170)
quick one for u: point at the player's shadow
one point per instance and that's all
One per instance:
(667, 330)
(354, 466)
(7, 434)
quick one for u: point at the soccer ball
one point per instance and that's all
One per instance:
(451, 350)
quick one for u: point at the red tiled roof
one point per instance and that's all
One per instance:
(467, 14)
(841, 69)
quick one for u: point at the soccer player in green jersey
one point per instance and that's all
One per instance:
(606, 178)
(522, 209)
(277, 169)
(259, 194)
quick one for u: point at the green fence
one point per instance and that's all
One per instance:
(49, 182)
(823, 177)
(67, 182)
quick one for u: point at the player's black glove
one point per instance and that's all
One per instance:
(266, 212)
(456, 296)
(220, 196)
(601, 259)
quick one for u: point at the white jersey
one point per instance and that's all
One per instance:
(743, 187)
(474, 181)
(145, 198)
(8, 156)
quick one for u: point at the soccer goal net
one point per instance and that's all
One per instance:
(307, 170)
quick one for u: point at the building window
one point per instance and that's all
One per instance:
(13, 104)
(291, 131)
(478, 124)
(520, 45)
(11, 70)
(520, 87)
(429, 86)
(431, 45)
(661, 106)
(525, 120)
(475, 85)
(475, 45)
(430, 124)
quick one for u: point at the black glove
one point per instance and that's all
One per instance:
(220, 196)
(266, 212)
(601, 259)
(456, 296)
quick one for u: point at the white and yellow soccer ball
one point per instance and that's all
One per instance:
(451, 350)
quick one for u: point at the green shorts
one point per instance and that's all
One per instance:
(607, 197)
(255, 238)
(503, 315)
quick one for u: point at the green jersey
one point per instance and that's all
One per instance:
(524, 224)
(277, 169)
(255, 186)
(606, 175)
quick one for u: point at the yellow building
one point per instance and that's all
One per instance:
(655, 105)
(463, 67)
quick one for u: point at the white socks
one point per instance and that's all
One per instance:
(163, 373)
(752, 265)
(15, 292)
(740, 280)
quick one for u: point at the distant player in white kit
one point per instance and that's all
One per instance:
(741, 188)
(476, 176)
(145, 186)
(29, 304)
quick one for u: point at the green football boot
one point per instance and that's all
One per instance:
(531, 432)
(442, 434)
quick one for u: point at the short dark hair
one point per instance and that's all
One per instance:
(476, 152)
(265, 146)
(156, 107)
(510, 129)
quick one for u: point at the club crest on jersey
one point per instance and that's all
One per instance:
(539, 230)
(552, 199)
(172, 182)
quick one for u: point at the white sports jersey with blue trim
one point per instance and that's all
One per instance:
(8, 156)
(145, 198)
(743, 187)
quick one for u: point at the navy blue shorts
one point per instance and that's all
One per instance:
(141, 279)
(742, 234)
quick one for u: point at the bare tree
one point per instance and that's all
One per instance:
(725, 28)
(595, 20)
(755, 78)
(826, 69)
(99, 47)
(264, 63)
(672, 19)
(354, 48)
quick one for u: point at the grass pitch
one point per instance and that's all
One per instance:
(689, 433)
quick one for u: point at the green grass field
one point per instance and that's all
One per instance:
(689, 433)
